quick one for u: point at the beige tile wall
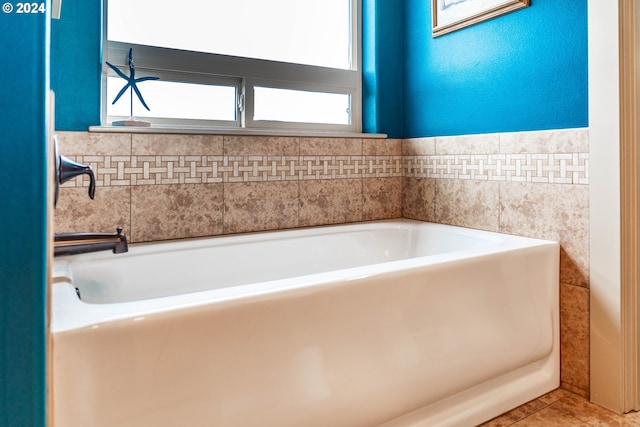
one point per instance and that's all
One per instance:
(162, 186)
(530, 183)
(174, 186)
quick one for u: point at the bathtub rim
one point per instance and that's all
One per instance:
(248, 237)
(70, 313)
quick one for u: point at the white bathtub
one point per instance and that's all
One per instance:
(388, 323)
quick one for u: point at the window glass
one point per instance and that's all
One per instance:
(174, 100)
(253, 63)
(286, 105)
(295, 31)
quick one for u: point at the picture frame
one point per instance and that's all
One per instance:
(452, 15)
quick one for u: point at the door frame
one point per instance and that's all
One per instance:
(614, 203)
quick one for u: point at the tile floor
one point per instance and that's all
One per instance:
(563, 408)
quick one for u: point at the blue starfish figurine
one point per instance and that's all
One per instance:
(131, 82)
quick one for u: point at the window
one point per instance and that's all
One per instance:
(240, 63)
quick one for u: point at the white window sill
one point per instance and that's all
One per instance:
(233, 131)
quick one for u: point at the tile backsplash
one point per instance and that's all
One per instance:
(168, 186)
(174, 186)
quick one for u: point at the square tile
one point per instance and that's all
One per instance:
(469, 144)
(551, 211)
(261, 145)
(330, 201)
(547, 141)
(574, 336)
(94, 144)
(161, 212)
(418, 147)
(330, 147)
(257, 206)
(76, 212)
(473, 204)
(381, 147)
(382, 198)
(176, 145)
(419, 199)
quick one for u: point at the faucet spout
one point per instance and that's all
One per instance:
(80, 243)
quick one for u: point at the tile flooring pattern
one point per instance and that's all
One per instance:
(561, 408)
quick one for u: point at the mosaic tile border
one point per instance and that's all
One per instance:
(161, 170)
(550, 157)
(560, 168)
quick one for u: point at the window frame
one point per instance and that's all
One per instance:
(243, 73)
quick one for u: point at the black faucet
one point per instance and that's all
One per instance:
(80, 243)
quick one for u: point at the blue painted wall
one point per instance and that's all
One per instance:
(382, 67)
(76, 64)
(523, 71)
(23, 125)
